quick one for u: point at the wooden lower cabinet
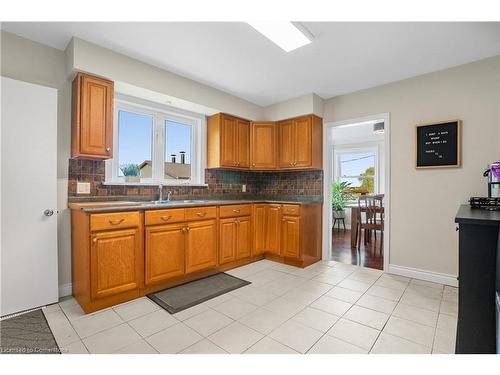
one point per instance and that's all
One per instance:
(227, 240)
(259, 228)
(290, 237)
(243, 237)
(164, 252)
(273, 235)
(201, 245)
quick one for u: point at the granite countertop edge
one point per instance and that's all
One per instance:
(143, 206)
(468, 215)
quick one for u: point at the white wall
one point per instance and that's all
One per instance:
(424, 202)
(306, 104)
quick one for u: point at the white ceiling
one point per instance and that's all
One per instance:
(356, 133)
(235, 58)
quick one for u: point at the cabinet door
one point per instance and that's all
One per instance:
(286, 143)
(227, 238)
(303, 142)
(290, 245)
(164, 252)
(260, 228)
(229, 141)
(96, 117)
(243, 148)
(244, 238)
(273, 229)
(115, 262)
(201, 245)
(263, 148)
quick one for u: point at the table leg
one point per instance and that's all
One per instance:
(354, 227)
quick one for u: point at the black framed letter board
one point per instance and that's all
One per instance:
(437, 145)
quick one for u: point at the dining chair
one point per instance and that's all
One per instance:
(373, 221)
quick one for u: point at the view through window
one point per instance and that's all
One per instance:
(357, 169)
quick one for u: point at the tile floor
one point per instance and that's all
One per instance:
(329, 307)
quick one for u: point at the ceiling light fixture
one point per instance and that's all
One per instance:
(286, 34)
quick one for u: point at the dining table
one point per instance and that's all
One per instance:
(355, 211)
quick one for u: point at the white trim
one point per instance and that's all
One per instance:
(415, 273)
(65, 290)
(328, 177)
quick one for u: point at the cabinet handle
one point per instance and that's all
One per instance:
(94, 240)
(108, 149)
(166, 217)
(201, 214)
(237, 210)
(283, 220)
(237, 222)
(253, 164)
(188, 229)
(116, 222)
(184, 230)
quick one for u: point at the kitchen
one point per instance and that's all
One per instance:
(186, 219)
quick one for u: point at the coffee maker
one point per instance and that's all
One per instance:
(493, 174)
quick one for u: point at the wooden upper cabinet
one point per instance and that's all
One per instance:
(92, 117)
(301, 143)
(263, 145)
(165, 247)
(115, 262)
(228, 142)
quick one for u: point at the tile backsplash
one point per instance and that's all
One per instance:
(222, 184)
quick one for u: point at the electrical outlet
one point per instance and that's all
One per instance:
(83, 187)
(244, 188)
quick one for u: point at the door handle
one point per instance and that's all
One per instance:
(48, 212)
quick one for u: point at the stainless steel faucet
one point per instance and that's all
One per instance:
(169, 195)
(160, 188)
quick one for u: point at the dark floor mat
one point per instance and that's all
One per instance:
(195, 292)
(28, 333)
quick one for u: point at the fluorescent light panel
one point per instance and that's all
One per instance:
(283, 33)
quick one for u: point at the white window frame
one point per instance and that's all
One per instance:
(346, 149)
(160, 115)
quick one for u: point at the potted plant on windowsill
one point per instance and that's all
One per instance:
(340, 198)
(131, 172)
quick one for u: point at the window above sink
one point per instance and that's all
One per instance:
(163, 145)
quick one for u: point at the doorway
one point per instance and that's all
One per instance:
(357, 164)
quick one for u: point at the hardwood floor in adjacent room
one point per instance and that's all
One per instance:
(368, 256)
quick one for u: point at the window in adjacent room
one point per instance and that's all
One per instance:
(358, 167)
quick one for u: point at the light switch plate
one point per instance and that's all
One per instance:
(244, 188)
(83, 188)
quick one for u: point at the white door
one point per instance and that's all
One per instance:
(28, 196)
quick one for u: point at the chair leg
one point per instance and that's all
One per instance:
(334, 221)
(343, 223)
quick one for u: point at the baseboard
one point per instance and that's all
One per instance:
(415, 273)
(65, 290)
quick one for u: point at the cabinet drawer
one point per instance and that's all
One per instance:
(114, 220)
(291, 209)
(235, 210)
(155, 217)
(200, 213)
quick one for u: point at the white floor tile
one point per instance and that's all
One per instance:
(363, 277)
(136, 308)
(76, 347)
(255, 296)
(138, 347)
(331, 345)
(387, 293)
(416, 300)
(447, 323)
(389, 344)
(235, 308)
(264, 320)
(415, 332)
(354, 333)
(316, 319)
(331, 305)
(354, 285)
(174, 339)
(428, 284)
(445, 341)
(97, 322)
(218, 300)
(285, 307)
(377, 303)
(328, 279)
(235, 338)
(314, 286)
(61, 328)
(192, 311)
(389, 281)
(425, 291)
(296, 336)
(270, 346)
(208, 322)
(153, 322)
(111, 340)
(204, 346)
(301, 296)
(416, 314)
(368, 317)
(343, 294)
(449, 308)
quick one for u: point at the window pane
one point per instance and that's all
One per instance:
(365, 183)
(135, 134)
(357, 164)
(177, 150)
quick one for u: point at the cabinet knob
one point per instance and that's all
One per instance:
(165, 217)
(94, 240)
(108, 149)
(188, 229)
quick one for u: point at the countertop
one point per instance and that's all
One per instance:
(468, 215)
(112, 206)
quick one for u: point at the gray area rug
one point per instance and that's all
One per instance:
(28, 333)
(195, 292)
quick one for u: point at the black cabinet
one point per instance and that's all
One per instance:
(478, 244)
